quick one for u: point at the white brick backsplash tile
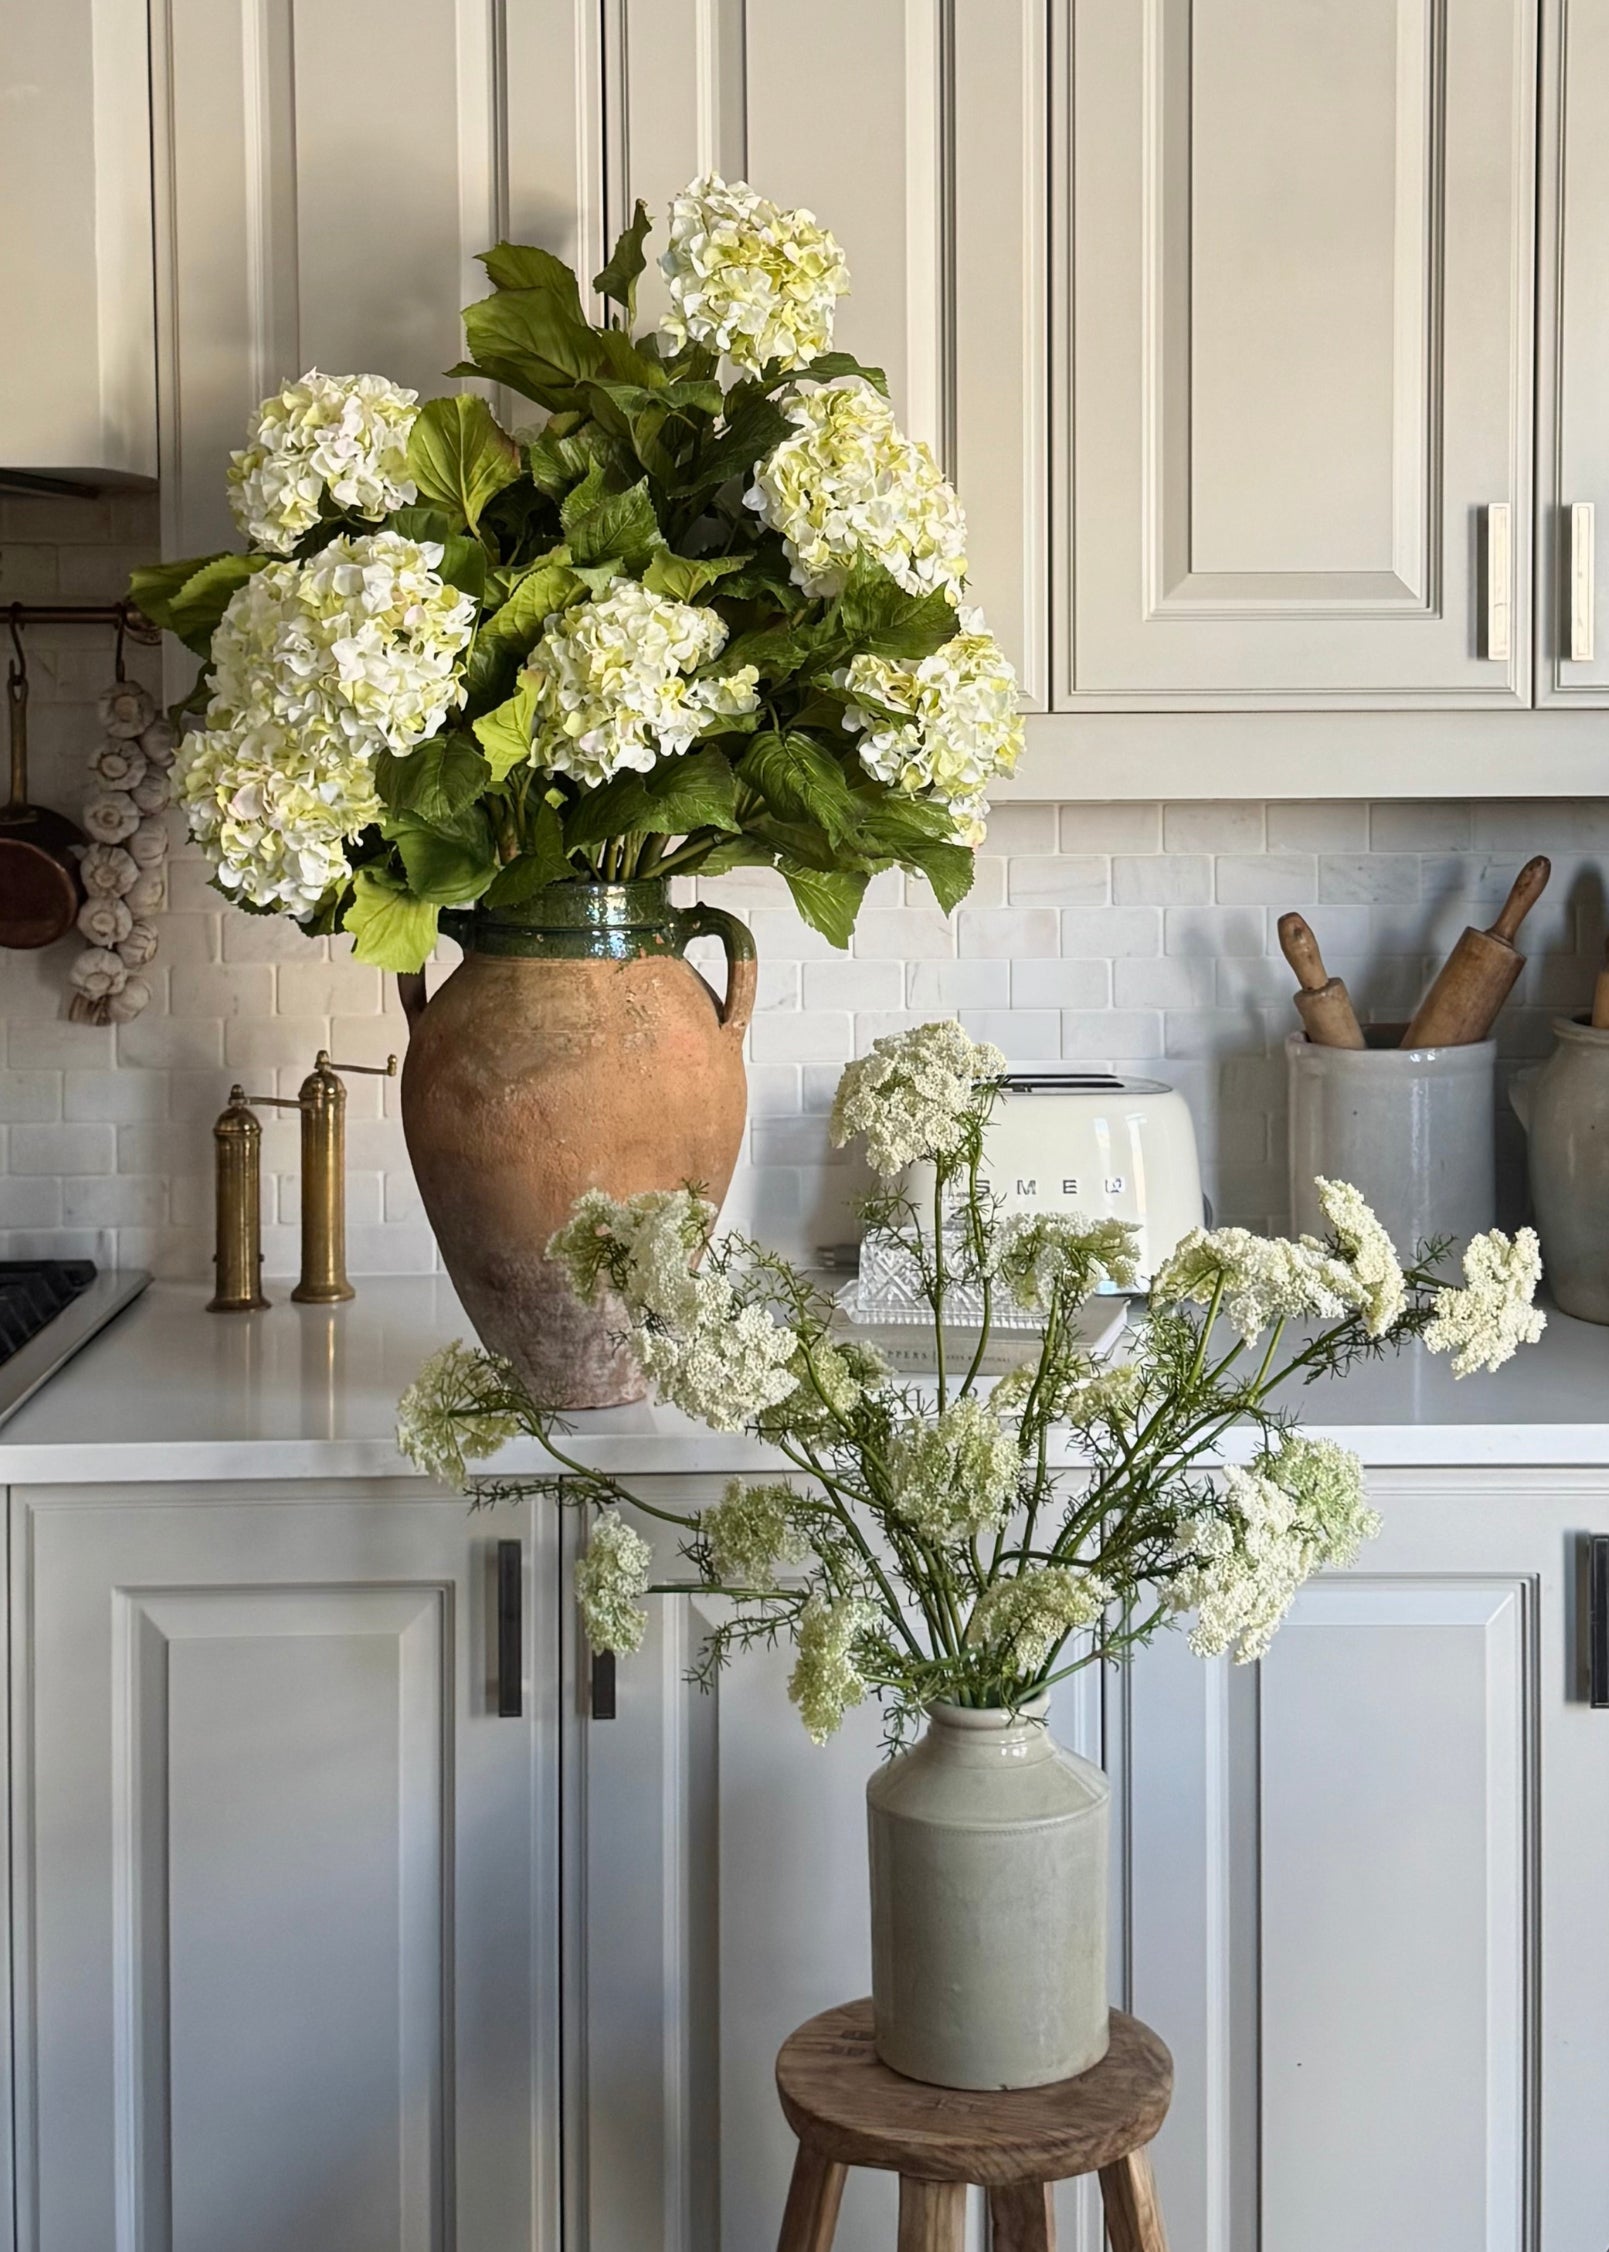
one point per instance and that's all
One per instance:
(988, 889)
(1111, 828)
(116, 1200)
(265, 1043)
(791, 1141)
(1259, 983)
(905, 934)
(1061, 985)
(853, 985)
(393, 1248)
(402, 1199)
(265, 938)
(1213, 826)
(878, 1024)
(1021, 1035)
(1409, 825)
(28, 1097)
(161, 1043)
(376, 1145)
(222, 990)
(1270, 879)
(117, 1095)
(782, 933)
(1161, 879)
(325, 989)
(1003, 933)
(1164, 981)
(54, 1044)
(777, 986)
(773, 1090)
(1214, 930)
(1106, 934)
(63, 1149)
(30, 1201)
(1016, 829)
(818, 1084)
(886, 889)
(1106, 1036)
(820, 1036)
(1217, 1032)
(940, 988)
(1527, 825)
(1318, 825)
(1068, 879)
(1373, 878)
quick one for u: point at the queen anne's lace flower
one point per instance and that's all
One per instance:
(345, 435)
(748, 278)
(1484, 1324)
(955, 1476)
(317, 668)
(727, 1365)
(1291, 1513)
(1043, 1253)
(642, 1247)
(610, 1579)
(848, 486)
(1028, 1618)
(917, 1094)
(451, 1414)
(1368, 1251)
(750, 1531)
(1264, 1278)
(943, 728)
(826, 1680)
(611, 685)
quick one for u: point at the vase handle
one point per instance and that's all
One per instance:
(742, 968)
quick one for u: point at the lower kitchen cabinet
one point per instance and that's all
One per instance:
(278, 1875)
(1359, 1889)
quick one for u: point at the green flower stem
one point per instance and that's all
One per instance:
(891, 1604)
(601, 1482)
(936, 1296)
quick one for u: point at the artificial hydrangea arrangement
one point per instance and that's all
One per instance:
(687, 622)
(972, 1541)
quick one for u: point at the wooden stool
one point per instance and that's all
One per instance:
(849, 2110)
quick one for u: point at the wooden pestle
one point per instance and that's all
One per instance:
(1478, 975)
(1600, 999)
(1322, 1001)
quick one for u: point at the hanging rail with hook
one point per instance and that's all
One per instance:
(125, 617)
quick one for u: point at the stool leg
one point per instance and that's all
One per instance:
(1133, 2211)
(811, 2213)
(932, 2216)
(1022, 2218)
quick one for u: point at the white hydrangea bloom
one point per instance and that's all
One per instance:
(826, 1681)
(643, 1248)
(317, 668)
(751, 1530)
(1264, 1278)
(917, 1094)
(1484, 1324)
(955, 723)
(727, 1365)
(611, 1577)
(1369, 1252)
(1043, 1252)
(849, 486)
(611, 685)
(444, 1419)
(1289, 1514)
(748, 278)
(1029, 1617)
(955, 1476)
(345, 435)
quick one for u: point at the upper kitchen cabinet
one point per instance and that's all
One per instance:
(1296, 414)
(917, 133)
(78, 372)
(1573, 432)
(327, 174)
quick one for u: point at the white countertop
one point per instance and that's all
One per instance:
(169, 1391)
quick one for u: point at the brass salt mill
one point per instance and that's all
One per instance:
(322, 1103)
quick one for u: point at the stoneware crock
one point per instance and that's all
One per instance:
(573, 1048)
(1564, 1109)
(988, 1867)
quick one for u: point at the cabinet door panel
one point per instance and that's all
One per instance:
(275, 1916)
(917, 133)
(1299, 241)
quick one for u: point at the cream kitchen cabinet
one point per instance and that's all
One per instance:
(1358, 1888)
(278, 1875)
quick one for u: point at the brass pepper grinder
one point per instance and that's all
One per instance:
(322, 1103)
(237, 1164)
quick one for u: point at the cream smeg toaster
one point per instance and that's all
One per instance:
(1120, 1149)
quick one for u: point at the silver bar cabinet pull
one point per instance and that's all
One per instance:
(1499, 580)
(1582, 591)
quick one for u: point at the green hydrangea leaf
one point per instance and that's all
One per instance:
(541, 863)
(828, 367)
(521, 265)
(449, 862)
(154, 586)
(627, 262)
(507, 634)
(800, 780)
(189, 598)
(435, 781)
(828, 899)
(531, 340)
(877, 618)
(504, 735)
(600, 526)
(684, 577)
(389, 926)
(695, 791)
(948, 867)
(418, 522)
(460, 455)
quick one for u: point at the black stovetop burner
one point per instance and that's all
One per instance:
(33, 1292)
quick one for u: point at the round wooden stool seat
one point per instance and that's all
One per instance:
(848, 2109)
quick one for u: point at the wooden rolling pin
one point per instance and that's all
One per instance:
(1323, 1002)
(1478, 975)
(1600, 999)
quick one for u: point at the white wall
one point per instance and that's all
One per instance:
(1135, 936)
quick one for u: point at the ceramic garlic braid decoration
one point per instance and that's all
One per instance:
(124, 866)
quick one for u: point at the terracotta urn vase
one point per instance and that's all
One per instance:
(573, 1048)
